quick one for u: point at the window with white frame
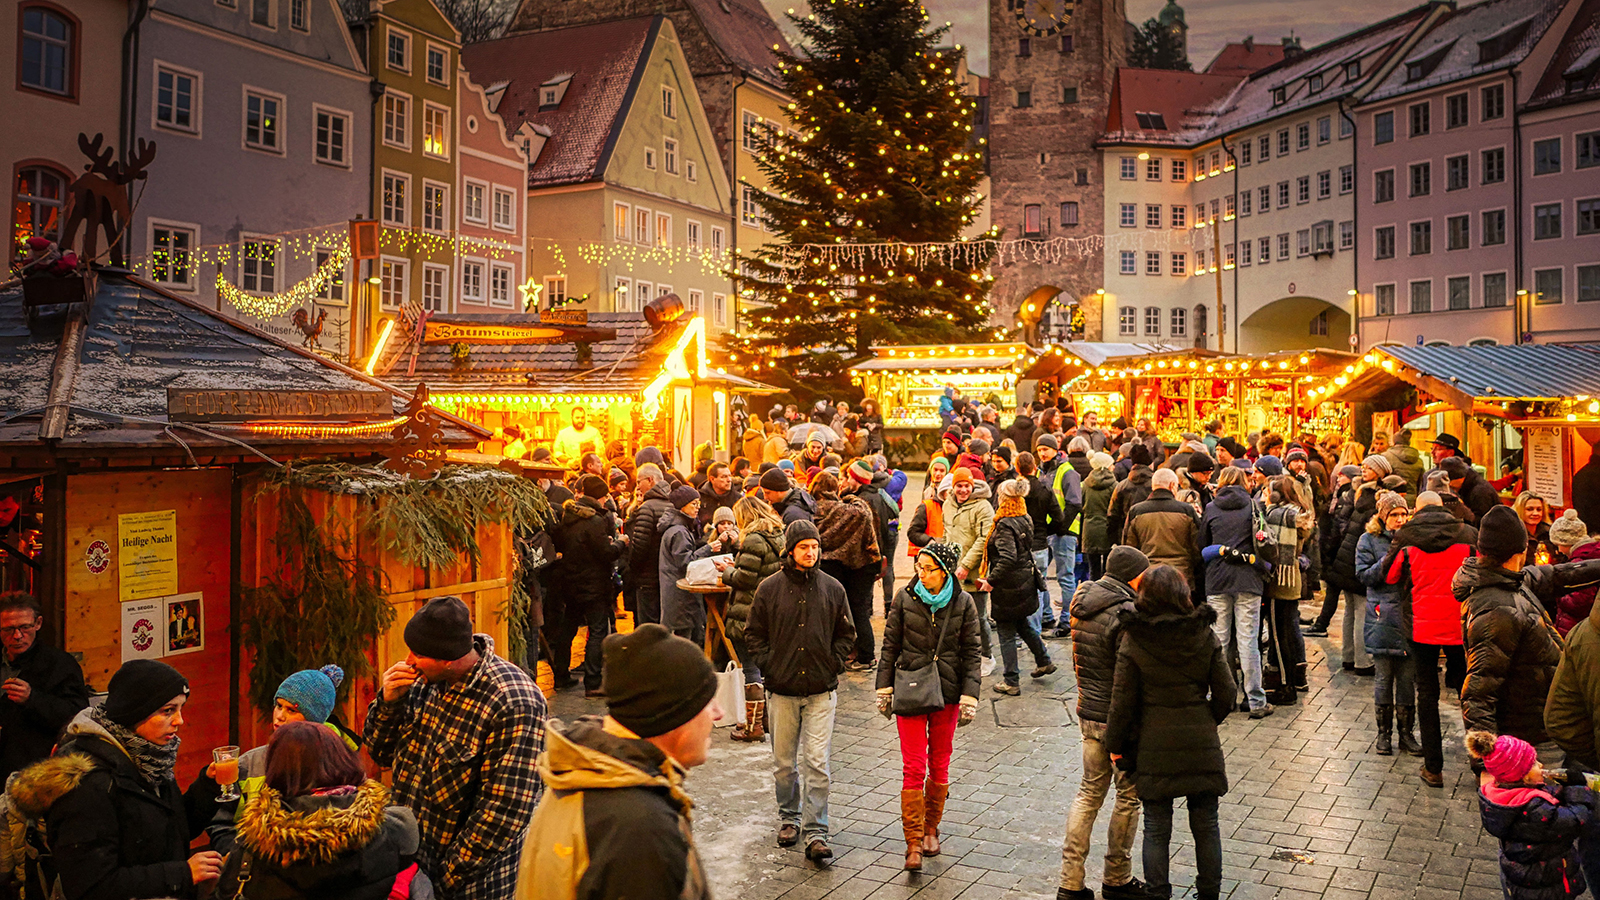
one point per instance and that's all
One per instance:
(1127, 263)
(1180, 264)
(1324, 185)
(396, 120)
(438, 64)
(262, 13)
(663, 289)
(1303, 242)
(1383, 299)
(471, 281)
(641, 225)
(435, 206)
(669, 156)
(1347, 235)
(1283, 142)
(1347, 179)
(650, 158)
(1322, 237)
(1152, 215)
(258, 266)
(499, 285)
(263, 126)
(1152, 262)
(555, 290)
(297, 15)
(332, 289)
(1264, 251)
(1180, 170)
(750, 131)
(1180, 215)
(692, 234)
(1126, 320)
(1422, 296)
(177, 98)
(1244, 152)
(1216, 162)
(1283, 194)
(717, 240)
(392, 282)
(1547, 284)
(624, 291)
(643, 292)
(1264, 199)
(691, 171)
(620, 218)
(436, 131)
(171, 260)
(474, 207)
(669, 102)
(1228, 211)
(1227, 260)
(1128, 215)
(1180, 322)
(1264, 148)
(1152, 321)
(397, 55)
(663, 230)
(396, 195)
(1128, 168)
(1247, 252)
(749, 207)
(719, 308)
(1494, 289)
(1283, 246)
(434, 295)
(1324, 130)
(1302, 189)
(1246, 202)
(505, 209)
(332, 136)
(696, 300)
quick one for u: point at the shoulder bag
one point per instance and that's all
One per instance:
(917, 692)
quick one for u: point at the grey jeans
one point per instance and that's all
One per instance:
(1354, 640)
(802, 738)
(985, 633)
(1098, 771)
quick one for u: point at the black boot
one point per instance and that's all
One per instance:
(1405, 720)
(1385, 726)
(1300, 683)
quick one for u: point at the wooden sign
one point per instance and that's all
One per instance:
(184, 405)
(564, 317)
(364, 239)
(456, 332)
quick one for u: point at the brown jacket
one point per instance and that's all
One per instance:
(1167, 531)
(849, 532)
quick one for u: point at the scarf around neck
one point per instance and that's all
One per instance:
(934, 601)
(154, 761)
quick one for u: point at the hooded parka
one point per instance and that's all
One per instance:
(1096, 527)
(1009, 560)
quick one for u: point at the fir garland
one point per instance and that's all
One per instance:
(334, 605)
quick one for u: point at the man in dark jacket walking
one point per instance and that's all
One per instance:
(1045, 511)
(1166, 530)
(644, 542)
(588, 545)
(43, 686)
(800, 633)
(1133, 490)
(1470, 487)
(1095, 630)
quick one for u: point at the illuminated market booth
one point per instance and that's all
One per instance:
(175, 484)
(907, 381)
(1528, 405)
(641, 379)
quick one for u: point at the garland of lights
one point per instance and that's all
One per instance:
(267, 306)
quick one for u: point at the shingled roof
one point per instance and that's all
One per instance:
(604, 62)
(1574, 70)
(745, 33)
(1162, 106)
(1245, 58)
(1465, 43)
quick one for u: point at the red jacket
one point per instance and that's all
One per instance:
(1427, 551)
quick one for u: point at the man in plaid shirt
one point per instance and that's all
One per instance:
(462, 729)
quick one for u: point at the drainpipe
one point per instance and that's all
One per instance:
(130, 92)
(1517, 321)
(1355, 226)
(1233, 159)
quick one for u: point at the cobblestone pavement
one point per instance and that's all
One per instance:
(1312, 811)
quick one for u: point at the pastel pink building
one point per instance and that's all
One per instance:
(491, 242)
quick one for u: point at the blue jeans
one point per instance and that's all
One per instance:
(1009, 632)
(1064, 547)
(1207, 832)
(802, 735)
(1239, 622)
(1043, 617)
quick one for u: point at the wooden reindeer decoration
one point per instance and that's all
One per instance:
(100, 196)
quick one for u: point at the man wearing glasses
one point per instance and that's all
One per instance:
(42, 686)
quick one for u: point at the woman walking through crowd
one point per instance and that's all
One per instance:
(930, 646)
(1013, 583)
(759, 555)
(1388, 628)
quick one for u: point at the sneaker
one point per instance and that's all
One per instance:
(788, 835)
(1133, 890)
(1042, 671)
(1010, 690)
(1262, 711)
(856, 666)
(1315, 630)
(986, 668)
(1080, 894)
(817, 851)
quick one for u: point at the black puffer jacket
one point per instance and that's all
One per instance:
(1012, 594)
(589, 547)
(1538, 839)
(348, 845)
(1045, 512)
(1021, 431)
(1135, 489)
(644, 541)
(909, 632)
(1172, 689)
(760, 554)
(1512, 646)
(1343, 574)
(1095, 631)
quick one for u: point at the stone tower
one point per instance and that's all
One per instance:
(1173, 22)
(1052, 64)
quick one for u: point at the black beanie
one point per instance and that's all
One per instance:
(682, 496)
(797, 531)
(141, 687)
(1125, 563)
(1200, 462)
(655, 681)
(775, 479)
(594, 487)
(1501, 535)
(441, 629)
(1140, 454)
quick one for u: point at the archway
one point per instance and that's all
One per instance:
(1049, 314)
(1295, 323)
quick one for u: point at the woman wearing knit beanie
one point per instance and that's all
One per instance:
(1013, 584)
(109, 797)
(930, 622)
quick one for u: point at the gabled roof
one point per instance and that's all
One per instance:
(1464, 375)
(1245, 58)
(1163, 106)
(1451, 50)
(605, 61)
(1574, 70)
(746, 34)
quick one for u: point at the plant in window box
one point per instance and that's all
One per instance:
(50, 275)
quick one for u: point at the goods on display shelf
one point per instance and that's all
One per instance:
(907, 381)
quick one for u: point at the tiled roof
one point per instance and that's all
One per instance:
(1245, 58)
(603, 59)
(634, 339)
(1576, 60)
(745, 32)
(1450, 50)
(1162, 106)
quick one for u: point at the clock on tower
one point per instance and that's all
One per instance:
(1044, 17)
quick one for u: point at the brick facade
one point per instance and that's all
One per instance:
(1045, 153)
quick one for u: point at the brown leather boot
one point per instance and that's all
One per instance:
(912, 809)
(755, 715)
(936, 794)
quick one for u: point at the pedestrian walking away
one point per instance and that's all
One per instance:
(799, 633)
(848, 530)
(1096, 613)
(461, 728)
(928, 680)
(1013, 583)
(1388, 628)
(616, 822)
(1234, 580)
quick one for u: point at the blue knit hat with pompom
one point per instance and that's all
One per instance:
(314, 691)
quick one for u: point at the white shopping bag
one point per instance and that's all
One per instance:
(705, 571)
(730, 696)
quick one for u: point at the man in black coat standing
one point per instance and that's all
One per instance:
(644, 542)
(584, 575)
(799, 632)
(43, 686)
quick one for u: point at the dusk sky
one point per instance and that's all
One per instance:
(1212, 23)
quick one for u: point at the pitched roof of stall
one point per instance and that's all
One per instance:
(604, 61)
(1576, 60)
(1452, 46)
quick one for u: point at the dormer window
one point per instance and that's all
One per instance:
(1503, 41)
(533, 138)
(1352, 70)
(1315, 83)
(551, 92)
(1151, 121)
(1420, 67)
(1280, 96)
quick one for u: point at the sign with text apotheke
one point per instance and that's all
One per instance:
(1545, 465)
(147, 554)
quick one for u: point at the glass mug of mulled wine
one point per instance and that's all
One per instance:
(225, 766)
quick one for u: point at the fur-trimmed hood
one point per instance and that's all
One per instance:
(35, 789)
(314, 829)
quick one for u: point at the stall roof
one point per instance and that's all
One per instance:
(953, 357)
(1465, 375)
(103, 372)
(1098, 353)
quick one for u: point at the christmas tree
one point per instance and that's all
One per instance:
(882, 155)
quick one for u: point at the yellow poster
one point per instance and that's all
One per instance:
(147, 554)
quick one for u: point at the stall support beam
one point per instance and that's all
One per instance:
(52, 579)
(235, 604)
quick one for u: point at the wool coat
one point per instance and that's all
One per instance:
(1096, 528)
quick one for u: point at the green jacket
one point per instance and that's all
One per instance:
(1572, 709)
(760, 554)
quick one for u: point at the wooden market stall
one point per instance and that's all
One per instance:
(641, 378)
(1527, 405)
(907, 381)
(156, 449)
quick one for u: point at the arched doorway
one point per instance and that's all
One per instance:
(1295, 323)
(1202, 327)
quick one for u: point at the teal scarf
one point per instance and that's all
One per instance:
(937, 601)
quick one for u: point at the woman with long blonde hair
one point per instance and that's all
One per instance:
(1013, 584)
(1351, 453)
(760, 554)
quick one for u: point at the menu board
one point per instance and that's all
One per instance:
(1545, 465)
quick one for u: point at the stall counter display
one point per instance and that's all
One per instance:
(912, 401)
